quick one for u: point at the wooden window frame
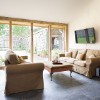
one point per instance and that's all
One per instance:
(31, 23)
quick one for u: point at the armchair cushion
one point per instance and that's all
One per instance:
(25, 68)
(12, 58)
(21, 59)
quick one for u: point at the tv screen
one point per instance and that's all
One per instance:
(85, 35)
(91, 35)
(80, 36)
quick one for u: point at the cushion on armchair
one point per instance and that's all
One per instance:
(12, 58)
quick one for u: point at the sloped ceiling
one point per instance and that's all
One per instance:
(63, 11)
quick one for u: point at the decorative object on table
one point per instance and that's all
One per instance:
(56, 61)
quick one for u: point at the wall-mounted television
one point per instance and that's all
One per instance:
(85, 35)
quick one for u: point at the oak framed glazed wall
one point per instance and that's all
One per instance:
(26, 22)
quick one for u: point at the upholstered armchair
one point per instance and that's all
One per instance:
(23, 76)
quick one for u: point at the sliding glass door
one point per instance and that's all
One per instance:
(41, 44)
(4, 40)
(21, 40)
(58, 41)
(38, 41)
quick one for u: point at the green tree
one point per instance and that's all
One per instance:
(4, 29)
(20, 30)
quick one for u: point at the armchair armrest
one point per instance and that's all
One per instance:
(24, 68)
(93, 61)
(61, 55)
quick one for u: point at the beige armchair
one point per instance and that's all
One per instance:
(21, 75)
(24, 77)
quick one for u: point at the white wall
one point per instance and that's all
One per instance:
(89, 17)
(62, 11)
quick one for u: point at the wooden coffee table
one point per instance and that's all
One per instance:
(50, 67)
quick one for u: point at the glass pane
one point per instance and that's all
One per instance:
(4, 41)
(41, 44)
(21, 40)
(58, 37)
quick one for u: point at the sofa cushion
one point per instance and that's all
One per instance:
(79, 56)
(89, 53)
(81, 53)
(62, 58)
(92, 56)
(68, 54)
(74, 52)
(80, 63)
(96, 53)
(70, 60)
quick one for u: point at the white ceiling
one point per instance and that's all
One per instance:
(63, 11)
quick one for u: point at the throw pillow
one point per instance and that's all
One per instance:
(21, 59)
(74, 52)
(79, 56)
(12, 57)
(91, 56)
(68, 54)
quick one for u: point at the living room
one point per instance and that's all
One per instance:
(69, 15)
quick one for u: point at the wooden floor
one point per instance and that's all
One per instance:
(62, 87)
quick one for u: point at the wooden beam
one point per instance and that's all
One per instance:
(50, 43)
(32, 48)
(27, 20)
(10, 34)
(66, 38)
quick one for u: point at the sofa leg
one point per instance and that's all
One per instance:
(70, 73)
(51, 75)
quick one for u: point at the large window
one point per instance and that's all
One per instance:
(4, 40)
(21, 39)
(40, 41)
(58, 41)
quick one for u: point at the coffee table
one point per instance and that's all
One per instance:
(50, 67)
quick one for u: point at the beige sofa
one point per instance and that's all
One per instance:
(84, 61)
(22, 76)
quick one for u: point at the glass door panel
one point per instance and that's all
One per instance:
(4, 41)
(21, 40)
(58, 41)
(41, 44)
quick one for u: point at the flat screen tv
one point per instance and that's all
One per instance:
(85, 36)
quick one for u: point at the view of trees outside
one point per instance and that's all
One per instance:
(4, 37)
(21, 40)
(4, 41)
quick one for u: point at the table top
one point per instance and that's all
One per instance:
(51, 65)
